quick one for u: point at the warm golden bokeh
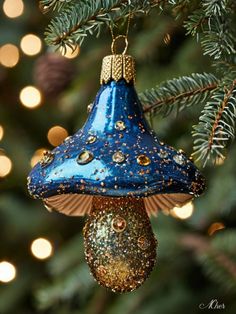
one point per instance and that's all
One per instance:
(37, 156)
(56, 135)
(9, 55)
(7, 272)
(5, 166)
(71, 53)
(41, 248)
(183, 212)
(1, 132)
(220, 161)
(13, 8)
(31, 44)
(30, 97)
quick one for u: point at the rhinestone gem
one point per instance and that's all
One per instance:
(91, 139)
(84, 157)
(48, 158)
(163, 154)
(179, 159)
(143, 160)
(120, 125)
(118, 157)
(143, 243)
(118, 224)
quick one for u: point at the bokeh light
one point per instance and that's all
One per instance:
(56, 135)
(5, 166)
(183, 212)
(219, 161)
(1, 132)
(9, 55)
(13, 8)
(216, 226)
(31, 44)
(30, 97)
(37, 156)
(7, 272)
(41, 248)
(70, 53)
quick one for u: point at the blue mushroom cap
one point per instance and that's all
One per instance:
(115, 154)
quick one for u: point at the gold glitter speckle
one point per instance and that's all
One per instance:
(179, 159)
(101, 270)
(120, 125)
(47, 159)
(89, 107)
(163, 154)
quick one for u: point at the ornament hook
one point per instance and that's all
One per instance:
(114, 43)
(125, 37)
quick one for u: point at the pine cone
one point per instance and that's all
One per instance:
(53, 73)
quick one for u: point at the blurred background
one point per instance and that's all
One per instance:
(44, 98)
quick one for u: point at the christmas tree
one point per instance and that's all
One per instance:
(185, 54)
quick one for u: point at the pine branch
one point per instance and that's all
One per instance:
(216, 124)
(218, 42)
(179, 93)
(195, 22)
(75, 22)
(211, 22)
(215, 7)
(226, 66)
(48, 5)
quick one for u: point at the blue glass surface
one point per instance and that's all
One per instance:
(161, 170)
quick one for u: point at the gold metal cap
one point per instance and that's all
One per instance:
(117, 67)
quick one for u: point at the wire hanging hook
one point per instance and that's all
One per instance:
(114, 41)
(125, 37)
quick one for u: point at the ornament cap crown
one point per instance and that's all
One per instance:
(117, 67)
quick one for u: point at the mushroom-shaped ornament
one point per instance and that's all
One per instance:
(117, 172)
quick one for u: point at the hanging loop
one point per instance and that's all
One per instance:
(114, 44)
(124, 37)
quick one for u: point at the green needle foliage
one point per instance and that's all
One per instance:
(77, 20)
(216, 124)
(47, 5)
(179, 93)
(211, 22)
